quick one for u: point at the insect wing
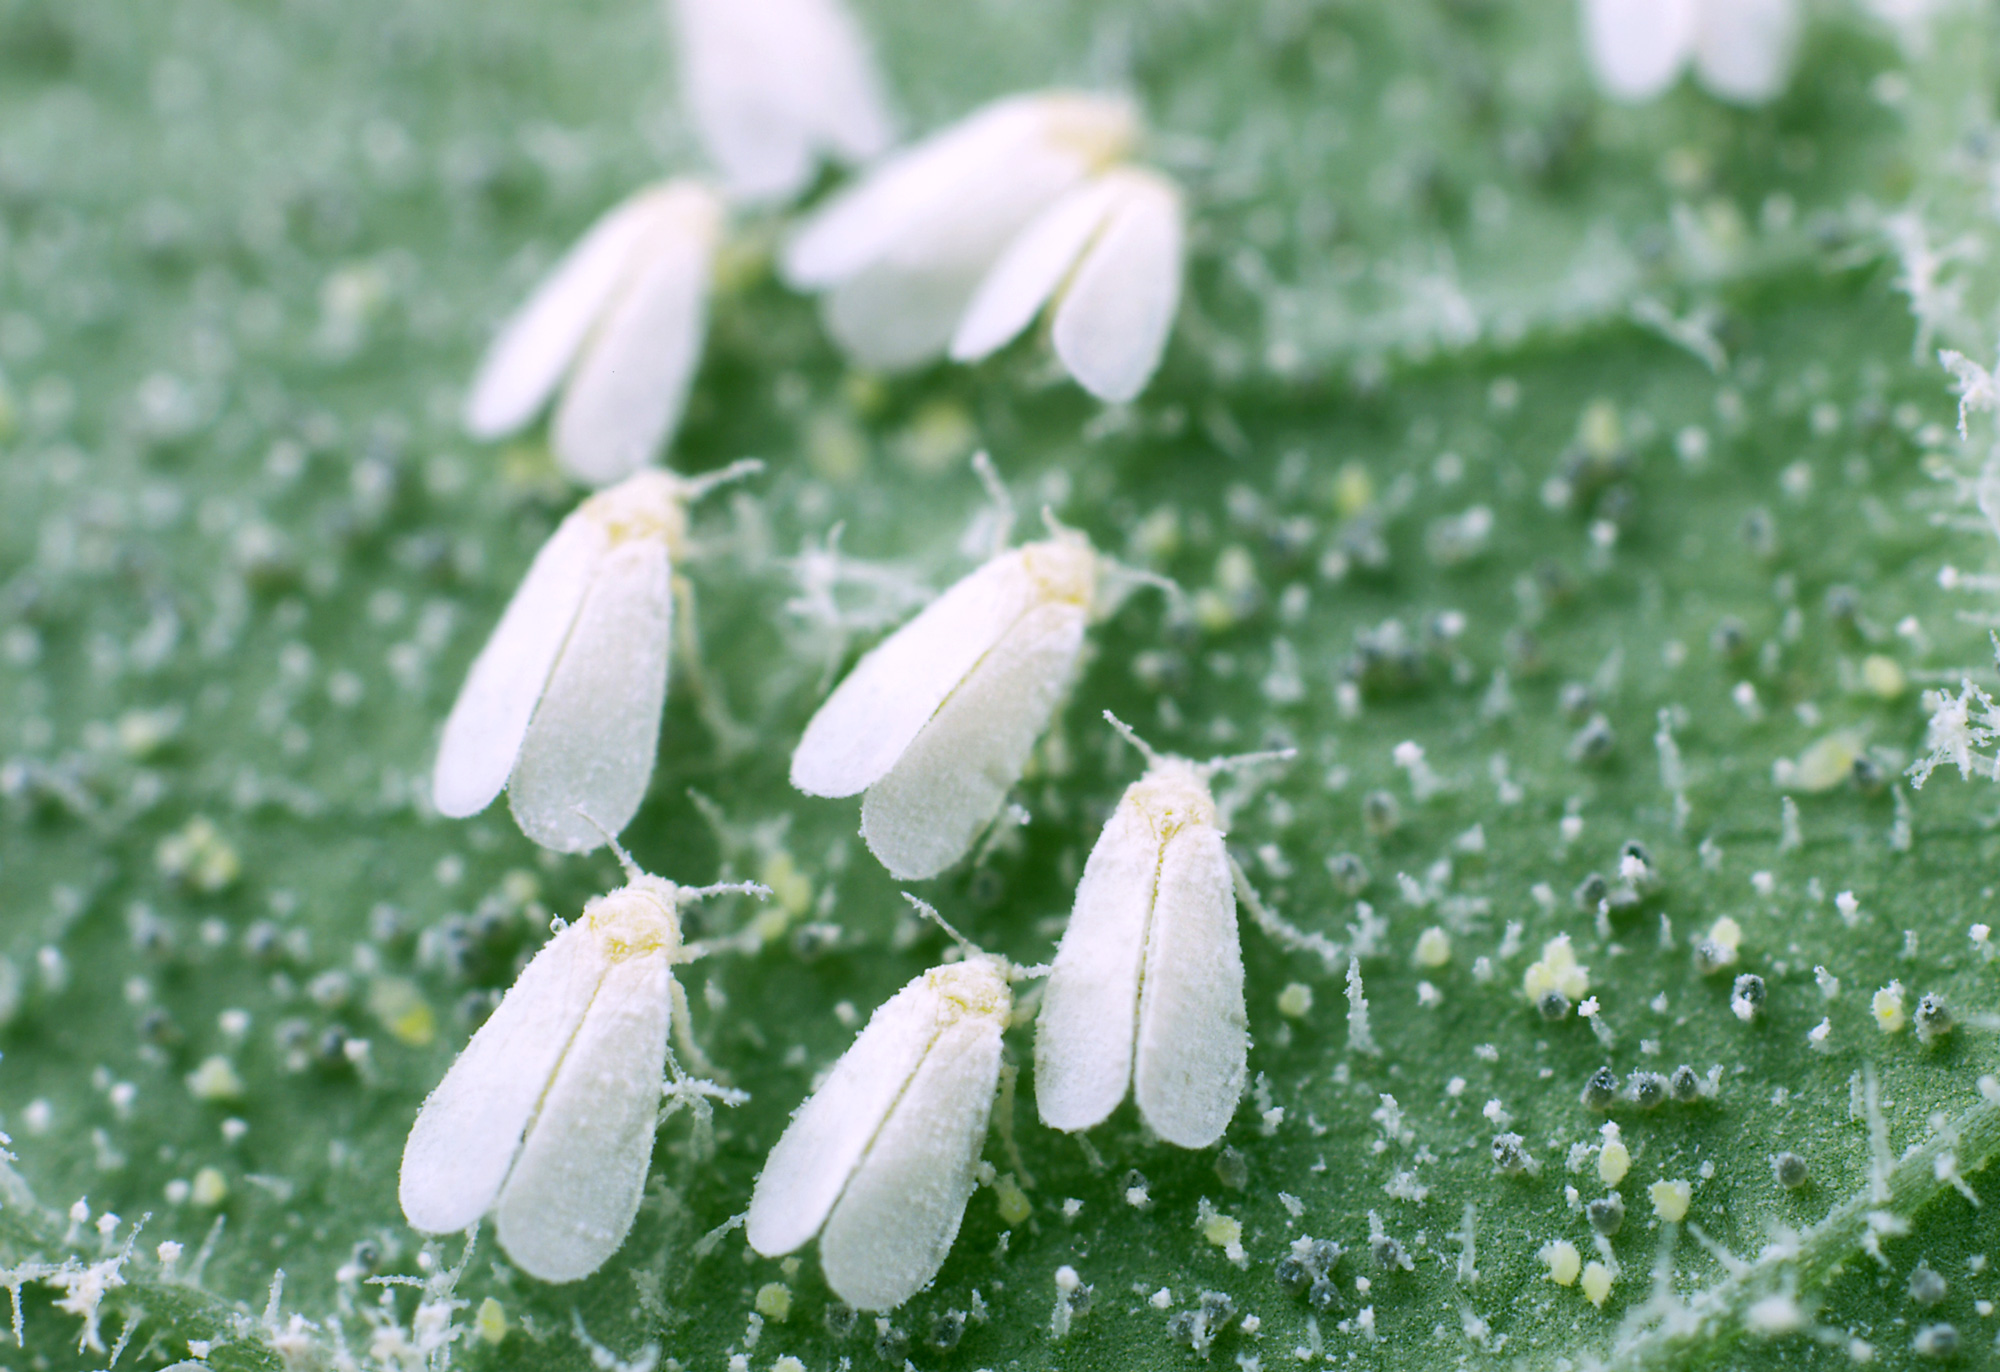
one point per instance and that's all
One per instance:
(592, 741)
(895, 1222)
(1638, 47)
(469, 1129)
(631, 382)
(1090, 1004)
(841, 93)
(1194, 1035)
(535, 348)
(828, 1135)
(899, 203)
(1743, 48)
(483, 734)
(575, 1188)
(924, 814)
(1112, 323)
(867, 723)
(1030, 270)
(772, 82)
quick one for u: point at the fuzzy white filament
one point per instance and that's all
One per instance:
(562, 705)
(774, 86)
(619, 326)
(1741, 50)
(880, 1161)
(546, 1119)
(958, 242)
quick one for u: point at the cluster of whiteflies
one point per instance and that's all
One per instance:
(956, 244)
(952, 246)
(546, 1120)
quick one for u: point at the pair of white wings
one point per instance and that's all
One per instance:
(960, 242)
(562, 706)
(547, 1118)
(881, 1160)
(936, 723)
(1147, 988)
(774, 84)
(623, 317)
(1109, 254)
(1741, 49)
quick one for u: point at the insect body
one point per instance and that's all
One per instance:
(619, 327)
(1147, 987)
(546, 1119)
(774, 85)
(562, 705)
(1741, 50)
(881, 1160)
(937, 722)
(958, 241)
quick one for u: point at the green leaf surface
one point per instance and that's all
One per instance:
(1599, 453)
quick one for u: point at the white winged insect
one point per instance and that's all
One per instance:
(562, 705)
(1105, 260)
(936, 723)
(880, 1161)
(1741, 50)
(959, 241)
(546, 1119)
(618, 325)
(1147, 988)
(774, 86)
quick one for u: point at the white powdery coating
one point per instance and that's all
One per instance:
(902, 252)
(1147, 987)
(547, 1116)
(937, 722)
(880, 1161)
(563, 703)
(622, 317)
(775, 85)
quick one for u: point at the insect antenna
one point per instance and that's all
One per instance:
(929, 912)
(727, 888)
(633, 871)
(1145, 748)
(695, 487)
(1239, 761)
(1004, 513)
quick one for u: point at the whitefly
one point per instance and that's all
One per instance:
(562, 706)
(546, 1119)
(618, 328)
(880, 1161)
(1146, 992)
